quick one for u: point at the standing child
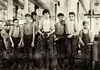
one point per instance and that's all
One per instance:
(28, 35)
(85, 37)
(60, 35)
(6, 41)
(46, 30)
(72, 39)
(15, 37)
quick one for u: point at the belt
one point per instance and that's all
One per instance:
(46, 32)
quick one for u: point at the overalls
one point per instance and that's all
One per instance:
(27, 44)
(86, 49)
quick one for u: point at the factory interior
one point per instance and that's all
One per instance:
(88, 10)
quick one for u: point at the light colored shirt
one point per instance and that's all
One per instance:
(72, 28)
(46, 25)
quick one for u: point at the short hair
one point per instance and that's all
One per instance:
(27, 15)
(45, 11)
(15, 20)
(33, 13)
(60, 14)
(71, 13)
(85, 22)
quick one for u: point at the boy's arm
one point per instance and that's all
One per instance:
(21, 34)
(33, 35)
(40, 26)
(80, 38)
(76, 30)
(91, 36)
(2, 34)
(10, 34)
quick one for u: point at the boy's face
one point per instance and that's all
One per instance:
(86, 26)
(72, 17)
(60, 18)
(28, 19)
(16, 22)
(46, 15)
(34, 17)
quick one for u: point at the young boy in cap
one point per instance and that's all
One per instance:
(28, 35)
(60, 35)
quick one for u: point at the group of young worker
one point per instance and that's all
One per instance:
(42, 37)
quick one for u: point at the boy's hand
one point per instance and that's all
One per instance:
(19, 45)
(42, 35)
(48, 34)
(56, 39)
(69, 36)
(82, 43)
(12, 45)
(22, 44)
(32, 44)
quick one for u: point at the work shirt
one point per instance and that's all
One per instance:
(72, 28)
(60, 29)
(15, 31)
(28, 28)
(46, 25)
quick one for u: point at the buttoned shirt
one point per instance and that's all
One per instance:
(72, 28)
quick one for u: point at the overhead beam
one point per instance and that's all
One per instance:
(17, 3)
(25, 6)
(83, 5)
(36, 3)
(10, 10)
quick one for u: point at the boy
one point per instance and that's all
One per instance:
(85, 37)
(60, 35)
(46, 30)
(28, 35)
(72, 33)
(36, 47)
(5, 37)
(15, 37)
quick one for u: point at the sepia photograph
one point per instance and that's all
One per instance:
(49, 34)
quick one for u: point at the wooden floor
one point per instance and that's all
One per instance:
(20, 64)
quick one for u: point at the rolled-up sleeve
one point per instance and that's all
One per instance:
(91, 35)
(76, 29)
(52, 25)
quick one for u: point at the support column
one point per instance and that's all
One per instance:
(10, 10)
(16, 11)
(25, 6)
(72, 6)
